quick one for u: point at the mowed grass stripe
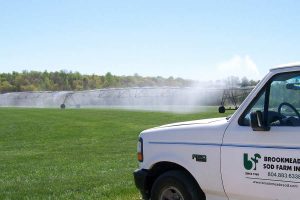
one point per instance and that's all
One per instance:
(74, 153)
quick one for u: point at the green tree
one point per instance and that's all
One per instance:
(6, 87)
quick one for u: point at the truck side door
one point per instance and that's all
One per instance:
(265, 165)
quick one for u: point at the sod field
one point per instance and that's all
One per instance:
(74, 153)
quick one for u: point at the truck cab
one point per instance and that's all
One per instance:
(253, 154)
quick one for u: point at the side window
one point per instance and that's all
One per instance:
(284, 102)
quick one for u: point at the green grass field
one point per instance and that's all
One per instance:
(74, 154)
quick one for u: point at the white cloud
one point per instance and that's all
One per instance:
(239, 66)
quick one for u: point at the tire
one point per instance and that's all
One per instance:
(222, 109)
(176, 185)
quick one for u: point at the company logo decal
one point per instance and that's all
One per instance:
(250, 163)
(272, 170)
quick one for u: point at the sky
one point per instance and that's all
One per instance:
(200, 40)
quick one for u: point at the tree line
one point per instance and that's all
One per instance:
(66, 81)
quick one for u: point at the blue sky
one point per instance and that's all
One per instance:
(199, 40)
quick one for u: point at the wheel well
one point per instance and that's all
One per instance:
(162, 167)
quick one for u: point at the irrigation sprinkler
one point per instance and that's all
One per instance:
(231, 96)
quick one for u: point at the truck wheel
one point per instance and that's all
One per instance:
(175, 185)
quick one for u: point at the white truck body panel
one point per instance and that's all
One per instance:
(278, 142)
(185, 139)
(241, 163)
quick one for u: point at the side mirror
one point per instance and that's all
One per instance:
(257, 123)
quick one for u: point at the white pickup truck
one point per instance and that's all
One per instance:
(254, 154)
